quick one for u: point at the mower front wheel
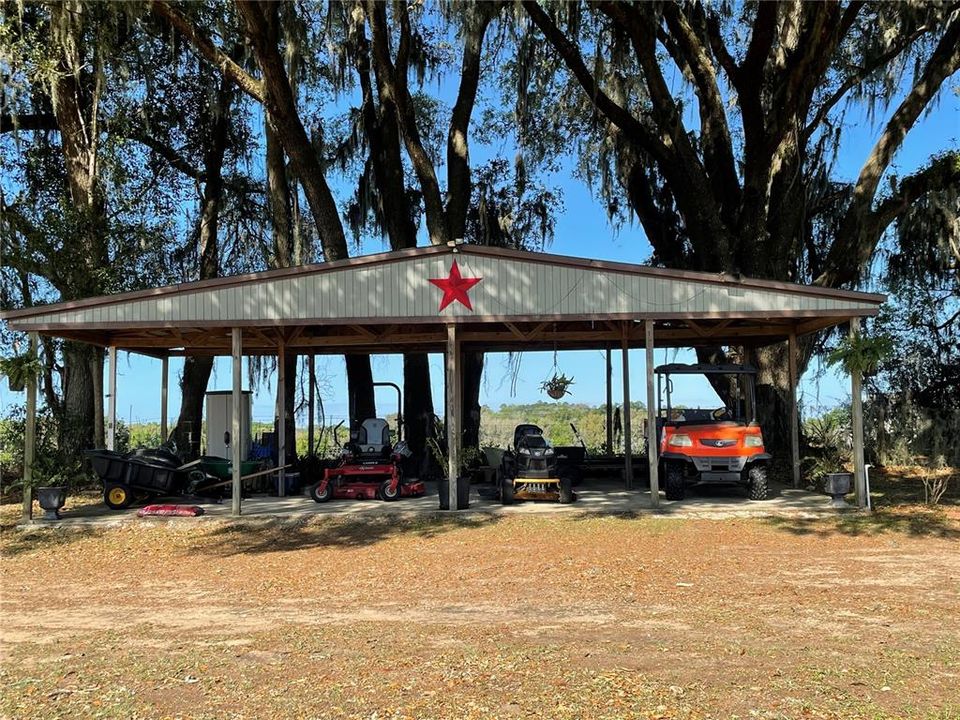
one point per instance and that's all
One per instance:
(566, 490)
(389, 493)
(321, 493)
(506, 491)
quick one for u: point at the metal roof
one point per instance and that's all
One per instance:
(512, 292)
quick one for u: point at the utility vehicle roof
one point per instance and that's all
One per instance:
(705, 369)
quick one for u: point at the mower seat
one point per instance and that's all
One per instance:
(373, 439)
(524, 429)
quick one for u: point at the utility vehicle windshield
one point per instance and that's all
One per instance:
(729, 396)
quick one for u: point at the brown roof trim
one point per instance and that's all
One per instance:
(399, 255)
(839, 315)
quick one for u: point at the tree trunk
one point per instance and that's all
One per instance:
(360, 389)
(75, 429)
(290, 380)
(417, 404)
(193, 387)
(96, 372)
(470, 420)
(773, 399)
(196, 370)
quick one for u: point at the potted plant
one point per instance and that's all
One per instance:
(468, 457)
(19, 369)
(860, 353)
(830, 452)
(557, 386)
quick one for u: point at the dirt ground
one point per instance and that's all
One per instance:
(552, 617)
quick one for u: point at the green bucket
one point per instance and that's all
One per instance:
(223, 468)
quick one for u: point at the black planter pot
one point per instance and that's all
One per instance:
(51, 499)
(836, 485)
(463, 493)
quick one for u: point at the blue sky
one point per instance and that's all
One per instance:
(583, 217)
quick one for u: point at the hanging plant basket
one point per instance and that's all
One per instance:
(558, 386)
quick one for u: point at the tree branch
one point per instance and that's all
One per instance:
(281, 105)
(214, 55)
(942, 173)
(692, 187)
(857, 238)
(761, 40)
(571, 56)
(859, 76)
(394, 90)
(458, 159)
(28, 121)
(718, 149)
(175, 159)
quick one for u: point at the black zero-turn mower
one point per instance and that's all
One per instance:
(530, 469)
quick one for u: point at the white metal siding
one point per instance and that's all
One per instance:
(509, 287)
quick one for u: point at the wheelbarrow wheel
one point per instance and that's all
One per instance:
(117, 496)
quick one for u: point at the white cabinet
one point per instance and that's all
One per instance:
(220, 420)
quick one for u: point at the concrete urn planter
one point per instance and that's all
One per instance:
(51, 499)
(836, 485)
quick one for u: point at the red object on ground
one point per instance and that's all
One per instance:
(170, 510)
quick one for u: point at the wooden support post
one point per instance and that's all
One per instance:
(311, 410)
(609, 402)
(112, 401)
(652, 440)
(164, 386)
(794, 416)
(30, 437)
(627, 438)
(282, 415)
(856, 396)
(236, 336)
(453, 383)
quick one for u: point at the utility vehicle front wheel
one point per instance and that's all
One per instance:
(757, 487)
(673, 483)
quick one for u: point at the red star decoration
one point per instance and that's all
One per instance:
(455, 287)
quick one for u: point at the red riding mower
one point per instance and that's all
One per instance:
(369, 468)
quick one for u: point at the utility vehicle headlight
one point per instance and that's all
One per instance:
(680, 440)
(548, 452)
(524, 451)
(753, 441)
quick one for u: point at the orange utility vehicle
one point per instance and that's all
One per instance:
(722, 445)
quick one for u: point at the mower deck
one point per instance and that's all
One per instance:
(366, 482)
(522, 493)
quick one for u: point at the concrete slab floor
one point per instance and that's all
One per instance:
(593, 497)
